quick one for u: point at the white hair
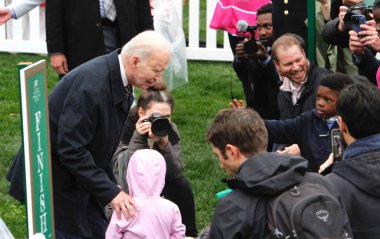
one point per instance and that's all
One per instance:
(144, 44)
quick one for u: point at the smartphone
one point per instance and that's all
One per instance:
(337, 145)
(356, 21)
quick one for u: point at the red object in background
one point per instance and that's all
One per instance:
(228, 12)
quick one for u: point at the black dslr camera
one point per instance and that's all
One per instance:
(160, 125)
(358, 9)
(250, 46)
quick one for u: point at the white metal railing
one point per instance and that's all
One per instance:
(27, 34)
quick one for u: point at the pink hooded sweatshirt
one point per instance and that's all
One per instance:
(158, 217)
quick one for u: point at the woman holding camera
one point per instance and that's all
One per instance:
(149, 126)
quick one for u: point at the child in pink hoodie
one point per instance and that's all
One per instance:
(158, 217)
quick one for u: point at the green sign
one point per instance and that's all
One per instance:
(36, 141)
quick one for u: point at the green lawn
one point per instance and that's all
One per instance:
(208, 91)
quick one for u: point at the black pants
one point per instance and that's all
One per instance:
(180, 192)
(96, 219)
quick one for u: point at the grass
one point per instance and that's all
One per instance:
(196, 103)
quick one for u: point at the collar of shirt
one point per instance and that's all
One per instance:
(122, 72)
(331, 121)
(288, 86)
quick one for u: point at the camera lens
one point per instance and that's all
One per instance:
(160, 126)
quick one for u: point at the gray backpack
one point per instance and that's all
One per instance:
(307, 210)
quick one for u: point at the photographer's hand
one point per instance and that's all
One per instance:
(342, 12)
(162, 142)
(143, 128)
(261, 53)
(240, 53)
(369, 36)
(355, 45)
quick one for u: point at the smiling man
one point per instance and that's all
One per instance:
(301, 78)
(300, 81)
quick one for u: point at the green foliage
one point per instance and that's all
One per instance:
(196, 103)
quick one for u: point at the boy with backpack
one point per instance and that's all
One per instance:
(254, 208)
(311, 130)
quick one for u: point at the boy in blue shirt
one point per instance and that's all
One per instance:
(311, 130)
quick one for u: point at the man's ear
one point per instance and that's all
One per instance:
(134, 61)
(345, 131)
(232, 151)
(342, 125)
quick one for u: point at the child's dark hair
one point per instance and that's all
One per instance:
(148, 96)
(336, 81)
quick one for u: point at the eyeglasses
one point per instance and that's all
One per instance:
(267, 26)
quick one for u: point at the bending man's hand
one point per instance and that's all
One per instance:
(59, 63)
(5, 15)
(123, 203)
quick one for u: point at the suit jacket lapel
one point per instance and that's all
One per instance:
(117, 87)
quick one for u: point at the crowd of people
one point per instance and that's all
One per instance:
(117, 170)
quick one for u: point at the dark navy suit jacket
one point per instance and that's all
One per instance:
(87, 109)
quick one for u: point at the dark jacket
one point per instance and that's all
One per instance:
(357, 180)
(87, 110)
(261, 86)
(333, 36)
(242, 213)
(367, 65)
(309, 131)
(289, 16)
(74, 27)
(308, 96)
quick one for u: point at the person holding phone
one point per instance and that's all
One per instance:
(357, 20)
(365, 44)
